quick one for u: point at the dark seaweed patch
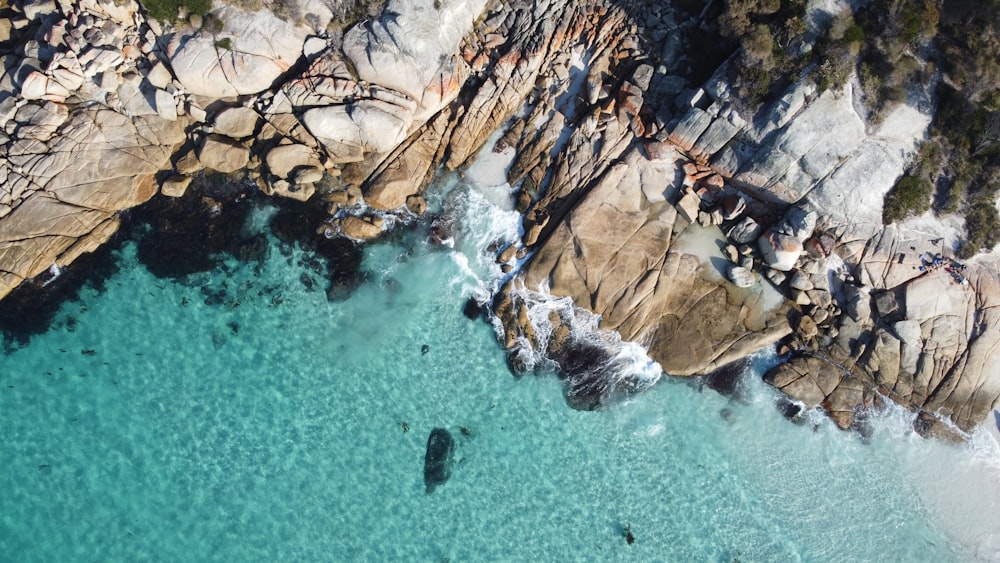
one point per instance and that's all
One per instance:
(336, 259)
(789, 409)
(438, 458)
(583, 365)
(181, 236)
(591, 377)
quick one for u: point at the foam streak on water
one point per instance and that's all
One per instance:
(154, 427)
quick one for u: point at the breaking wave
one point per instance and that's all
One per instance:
(596, 366)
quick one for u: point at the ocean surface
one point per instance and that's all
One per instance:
(266, 423)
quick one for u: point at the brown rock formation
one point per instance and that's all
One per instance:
(612, 184)
(614, 254)
(64, 194)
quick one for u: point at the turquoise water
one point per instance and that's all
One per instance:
(270, 427)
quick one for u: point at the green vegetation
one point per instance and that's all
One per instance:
(224, 43)
(349, 12)
(345, 12)
(885, 35)
(169, 10)
(982, 225)
(911, 195)
(894, 36)
(771, 34)
(212, 23)
(961, 156)
(946, 50)
(774, 45)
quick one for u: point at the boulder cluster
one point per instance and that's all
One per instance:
(877, 311)
(102, 107)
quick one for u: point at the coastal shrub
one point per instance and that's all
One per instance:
(769, 33)
(893, 93)
(756, 83)
(837, 60)
(991, 100)
(759, 46)
(910, 196)
(854, 34)
(946, 52)
(982, 228)
(345, 12)
(212, 23)
(250, 5)
(349, 12)
(916, 20)
(962, 158)
(966, 140)
(168, 10)
(951, 199)
(793, 29)
(286, 10)
(890, 35)
(871, 82)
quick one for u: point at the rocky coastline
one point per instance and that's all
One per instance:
(689, 224)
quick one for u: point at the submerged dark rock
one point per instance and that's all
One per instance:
(727, 380)
(181, 236)
(629, 536)
(438, 459)
(472, 310)
(862, 423)
(440, 230)
(590, 378)
(728, 415)
(214, 296)
(343, 266)
(295, 223)
(789, 409)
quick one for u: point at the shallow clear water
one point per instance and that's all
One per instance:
(156, 427)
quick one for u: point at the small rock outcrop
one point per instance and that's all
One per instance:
(438, 459)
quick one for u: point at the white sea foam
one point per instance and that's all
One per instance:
(963, 493)
(480, 203)
(959, 484)
(54, 272)
(490, 167)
